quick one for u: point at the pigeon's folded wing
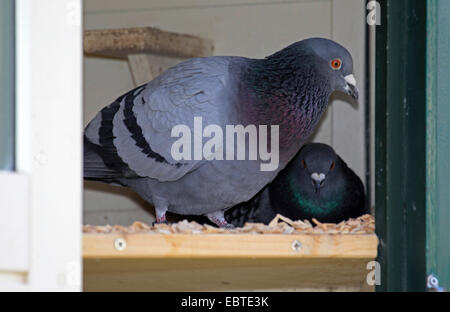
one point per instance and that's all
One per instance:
(133, 135)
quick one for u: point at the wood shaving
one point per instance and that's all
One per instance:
(279, 225)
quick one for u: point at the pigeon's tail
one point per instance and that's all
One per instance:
(93, 166)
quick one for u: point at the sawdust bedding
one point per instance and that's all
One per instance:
(279, 225)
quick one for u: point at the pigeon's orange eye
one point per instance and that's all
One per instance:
(336, 64)
(332, 165)
(303, 163)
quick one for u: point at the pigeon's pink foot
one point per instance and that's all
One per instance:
(161, 219)
(160, 211)
(218, 219)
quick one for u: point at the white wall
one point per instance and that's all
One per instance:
(238, 27)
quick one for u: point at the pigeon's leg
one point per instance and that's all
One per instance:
(161, 215)
(218, 218)
(161, 207)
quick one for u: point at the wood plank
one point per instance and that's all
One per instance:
(219, 274)
(146, 67)
(101, 246)
(206, 262)
(178, 262)
(119, 43)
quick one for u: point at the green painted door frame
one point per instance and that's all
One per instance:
(438, 141)
(413, 143)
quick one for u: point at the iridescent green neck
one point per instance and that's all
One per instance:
(318, 206)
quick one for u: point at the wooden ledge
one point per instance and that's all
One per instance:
(229, 246)
(221, 262)
(119, 43)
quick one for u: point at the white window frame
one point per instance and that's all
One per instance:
(41, 203)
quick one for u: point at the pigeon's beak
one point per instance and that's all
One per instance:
(317, 180)
(351, 88)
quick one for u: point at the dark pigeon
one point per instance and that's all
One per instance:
(316, 184)
(129, 142)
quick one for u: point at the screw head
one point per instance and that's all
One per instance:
(120, 244)
(433, 282)
(296, 246)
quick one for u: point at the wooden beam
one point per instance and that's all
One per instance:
(119, 43)
(229, 246)
(146, 67)
(217, 262)
(222, 274)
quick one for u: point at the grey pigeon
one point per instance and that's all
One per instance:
(129, 142)
(317, 183)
